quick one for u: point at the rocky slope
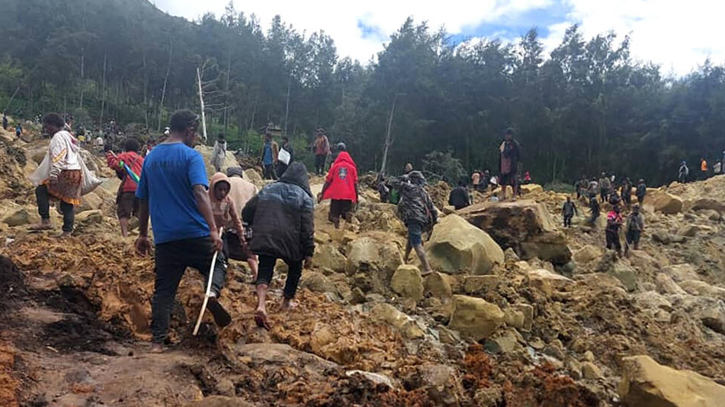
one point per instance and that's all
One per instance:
(519, 313)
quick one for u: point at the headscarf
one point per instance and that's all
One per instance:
(296, 174)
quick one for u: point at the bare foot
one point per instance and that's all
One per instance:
(426, 273)
(157, 348)
(260, 318)
(289, 304)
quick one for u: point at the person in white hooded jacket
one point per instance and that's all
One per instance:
(65, 177)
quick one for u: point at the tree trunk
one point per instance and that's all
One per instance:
(83, 60)
(388, 140)
(201, 100)
(163, 91)
(286, 111)
(103, 89)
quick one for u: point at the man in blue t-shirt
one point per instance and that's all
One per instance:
(173, 190)
(270, 153)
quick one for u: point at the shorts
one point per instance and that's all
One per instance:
(415, 233)
(127, 205)
(234, 249)
(340, 208)
(508, 179)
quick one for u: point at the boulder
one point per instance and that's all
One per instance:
(376, 378)
(88, 218)
(478, 285)
(645, 383)
(272, 359)
(252, 176)
(681, 272)
(438, 285)
(587, 254)
(505, 342)
(441, 383)
(666, 285)
(317, 282)
(408, 282)
(89, 202)
(475, 318)
(328, 257)
(703, 289)
(661, 201)
(547, 281)
(591, 371)
(528, 312)
(406, 325)
(626, 275)
(367, 253)
(456, 246)
(525, 226)
(707, 204)
(531, 189)
(16, 217)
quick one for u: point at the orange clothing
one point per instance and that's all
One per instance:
(703, 166)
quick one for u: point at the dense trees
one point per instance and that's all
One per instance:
(586, 107)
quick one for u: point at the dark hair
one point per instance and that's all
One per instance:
(509, 131)
(285, 138)
(182, 120)
(132, 144)
(221, 136)
(54, 119)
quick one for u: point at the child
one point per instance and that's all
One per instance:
(226, 215)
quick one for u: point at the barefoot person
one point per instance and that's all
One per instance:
(509, 164)
(227, 215)
(283, 221)
(341, 187)
(126, 201)
(65, 177)
(418, 213)
(173, 190)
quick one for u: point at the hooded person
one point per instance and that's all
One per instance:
(341, 186)
(282, 215)
(418, 213)
(458, 197)
(242, 190)
(228, 216)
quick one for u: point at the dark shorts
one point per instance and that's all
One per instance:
(508, 179)
(340, 209)
(415, 233)
(234, 249)
(127, 205)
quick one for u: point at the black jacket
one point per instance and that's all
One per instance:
(282, 217)
(459, 198)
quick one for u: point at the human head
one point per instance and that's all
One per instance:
(604, 174)
(617, 209)
(635, 208)
(267, 136)
(508, 134)
(320, 132)
(487, 172)
(641, 181)
(220, 137)
(235, 171)
(183, 126)
(131, 144)
(221, 189)
(408, 168)
(568, 199)
(285, 139)
(53, 123)
(341, 147)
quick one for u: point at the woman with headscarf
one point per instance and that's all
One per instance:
(283, 221)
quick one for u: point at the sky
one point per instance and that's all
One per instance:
(678, 35)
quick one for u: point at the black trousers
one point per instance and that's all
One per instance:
(613, 240)
(281, 168)
(43, 198)
(269, 172)
(172, 259)
(633, 237)
(320, 164)
(567, 220)
(266, 270)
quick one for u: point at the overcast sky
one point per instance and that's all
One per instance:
(677, 34)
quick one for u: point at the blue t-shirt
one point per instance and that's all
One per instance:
(168, 177)
(267, 159)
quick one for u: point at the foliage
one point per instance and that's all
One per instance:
(586, 107)
(438, 166)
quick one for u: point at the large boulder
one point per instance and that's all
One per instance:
(406, 325)
(16, 217)
(475, 317)
(408, 282)
(547, 281)
(229, 160)
(645, 383)
(526, 226)
(661, 201)
(703, 289)
(328, 257)
(531, 189)
(456, 246)
(367, 253)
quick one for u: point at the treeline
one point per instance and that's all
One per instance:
(585, 108)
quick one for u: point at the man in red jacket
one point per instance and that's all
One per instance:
(126, 196)
(341, 186)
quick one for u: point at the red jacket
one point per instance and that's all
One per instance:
(342, 179)
(133, 161)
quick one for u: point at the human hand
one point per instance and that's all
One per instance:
(216, 240)
(308, 263)
(143, 246)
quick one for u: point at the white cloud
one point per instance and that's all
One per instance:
(677, 34)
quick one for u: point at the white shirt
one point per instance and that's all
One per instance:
(63, 152)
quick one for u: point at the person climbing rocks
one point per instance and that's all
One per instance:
(582, 187)
(228, 216)
(19, 130)
(64, 178)
(5, 122)
(568, 211)
(614, 198)
(341, 187)
(286, 153)
(683, 173)
(510, 154)
(614, 222)
(126, 201)
(322, 150)
(383, 188)
(641, 191)
(173, 191)
(627, 192)
(703, 168)
(605, 187)
(270, 152)
(282, 216)
(458, 197)
(486, 181)
(527, 178)
(418, 213)
(635, 227)
(717, 168)
(594, 209)
(476, 180)
(241, 192)
(594, 187)
(219, 153)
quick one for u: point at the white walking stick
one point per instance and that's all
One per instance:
(208, 290)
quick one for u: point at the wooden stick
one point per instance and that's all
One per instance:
(208, 290)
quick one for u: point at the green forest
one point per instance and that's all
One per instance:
(586, 107)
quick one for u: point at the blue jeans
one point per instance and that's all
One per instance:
(172, 259)
(415, 233)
